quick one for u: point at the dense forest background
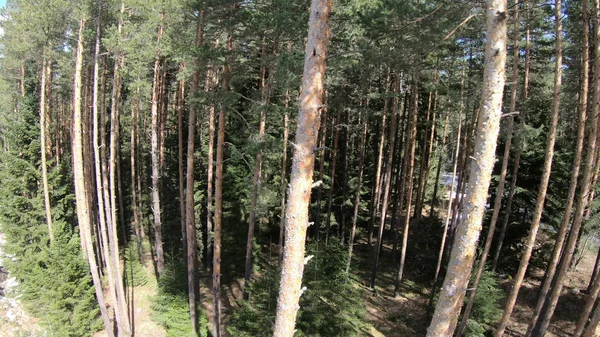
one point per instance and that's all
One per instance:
(146, 151)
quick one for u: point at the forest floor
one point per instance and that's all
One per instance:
(406, 315)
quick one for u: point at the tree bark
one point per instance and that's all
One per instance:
(180, 154)
(283, 175)
(387, 185)
(410, 152)
(43, 130)
(190, 216)
(376, 190)
(501, 182)
(564, 226)
(582, 197)
(311, 101)
(453, 290)
(216, 290)
(82, 202)
(546, 171)
(155, 154)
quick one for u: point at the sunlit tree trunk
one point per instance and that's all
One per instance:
(216, 276)
(454, 287)
(283, 175)
(565, 224)
(546, 171)
(190, 213)
(582, 197)
(79, 179)
(43, 130)
(386, 186)
(155, 154)
(501, 182)
(311, 103)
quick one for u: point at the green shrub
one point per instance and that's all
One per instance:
(486, 308)
(323, 310)
(170, 306)
(134, 274)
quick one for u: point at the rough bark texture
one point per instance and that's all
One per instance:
(463, 251)
(501, 182)
(302, 168)
(284, 161)
(155, 154)
(582, 197)
(546, 171)
(190, 214)
(79, 179)
(43, 129)
(564, 226)
(216, 276)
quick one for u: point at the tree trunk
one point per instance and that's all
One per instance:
(180, 155)
(517, 160)
(502, 180)
(302, 169)
(81, 197)
(155, 153)
(190, 216)
(564, 226)
(453, 290)
(342, 225)
(376, 190)
(439, 168)
(323, 152)
(209, 176)
(386, 185)
(137, 225)
(45, 74)
(410, 152)
(594, 272)
(283, 173)
(546, 171)
(582, 197)
(216, 290)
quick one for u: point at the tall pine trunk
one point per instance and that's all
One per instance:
(453, 290)
(216, 276)
(582, 197)
(501, 182)
(546, 171)
(192, 259)
(311, 104)
(410, 165)
(386, 186)
(565, 224)
(81, 198)
(43, 130)
(155, 154)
